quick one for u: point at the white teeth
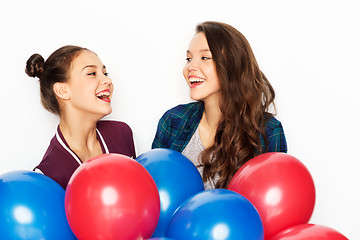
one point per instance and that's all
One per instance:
(196, 80)
(101, 94)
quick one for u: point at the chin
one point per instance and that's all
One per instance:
(196, 98)
(108, 112)
(105, 113)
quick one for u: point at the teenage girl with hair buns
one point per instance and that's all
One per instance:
(74, 84)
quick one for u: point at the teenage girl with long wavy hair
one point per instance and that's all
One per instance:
(231, 120)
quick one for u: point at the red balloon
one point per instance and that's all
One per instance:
(280, 187)
(112, 197)
(309, 231)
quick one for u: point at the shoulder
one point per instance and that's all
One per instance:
(177, 125)
(56, 155)
(118, 137)
(54, 151)
(184, 110)
(275, 134)
(111, 126)
(182, 117)
(273, 126)
(111, 123)
(57, 163)
(272, 123)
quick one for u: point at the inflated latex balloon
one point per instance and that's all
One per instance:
(216, 214)
(176, 178)
(280, 187)
(160, 238)
(112, 197)
(309, 232)
(32, 207)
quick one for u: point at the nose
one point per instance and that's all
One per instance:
(106, 80)
(191, 66)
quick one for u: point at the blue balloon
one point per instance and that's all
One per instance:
(176, 178)
(160, 238)
(216, 214)
(32, 207)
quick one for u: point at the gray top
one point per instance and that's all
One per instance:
(192, 151)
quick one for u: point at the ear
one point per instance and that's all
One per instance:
(61, 90)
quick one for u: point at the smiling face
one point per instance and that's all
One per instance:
(90, 88)
(200, 71)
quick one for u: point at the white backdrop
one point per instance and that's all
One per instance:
(309, 50)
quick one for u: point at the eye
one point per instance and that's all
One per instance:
(188, 59)
(106, 74)
(205, 58)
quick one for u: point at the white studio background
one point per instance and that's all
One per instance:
(309, 50)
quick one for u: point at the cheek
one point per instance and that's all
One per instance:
(215, 79)
(211, 71)
(185, 72)
(112, 89)
(218, 85)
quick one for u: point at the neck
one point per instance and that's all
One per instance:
(209, 123)
(78, 131)
(212, 114)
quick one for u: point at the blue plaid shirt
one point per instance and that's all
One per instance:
(178, 124)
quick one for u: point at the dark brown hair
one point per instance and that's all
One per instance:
(246, 98)
(54, 69)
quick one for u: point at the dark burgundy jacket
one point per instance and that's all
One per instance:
(60, 162)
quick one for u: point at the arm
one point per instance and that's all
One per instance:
(276, 137)
(160, 136)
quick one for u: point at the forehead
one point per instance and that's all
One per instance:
(198, 43)
(86, 58)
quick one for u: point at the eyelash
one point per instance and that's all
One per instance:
(94, 74)
(202, 58)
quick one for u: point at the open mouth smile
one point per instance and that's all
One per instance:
(195, 81)
(104, 95)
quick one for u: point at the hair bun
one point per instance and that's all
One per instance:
(35, 65)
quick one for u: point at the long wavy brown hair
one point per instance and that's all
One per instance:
(247, 96)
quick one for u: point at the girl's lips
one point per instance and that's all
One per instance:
(105, 99)
(103, 91)
(193, 85)
(104, 95)
(195, 81)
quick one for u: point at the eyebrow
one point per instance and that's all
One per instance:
(205, 50)
(201, 50)
(92, 66)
